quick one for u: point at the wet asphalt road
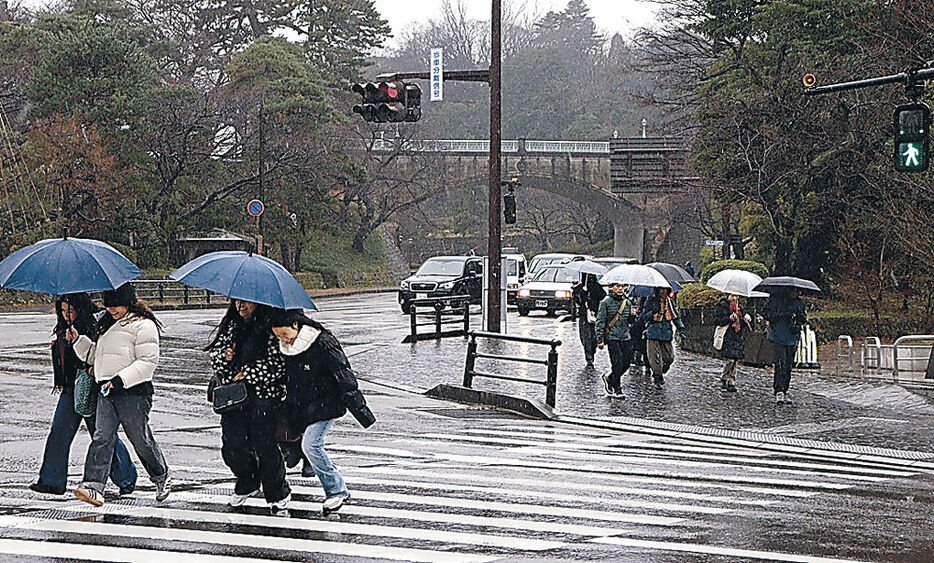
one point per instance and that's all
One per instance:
(428, 467)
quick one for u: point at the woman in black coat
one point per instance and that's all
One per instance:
(729, 314)
(321, 389)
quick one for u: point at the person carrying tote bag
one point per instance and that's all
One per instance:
(75, 310)
(125, 357)
(733, 323)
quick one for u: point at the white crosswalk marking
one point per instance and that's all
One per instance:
(503, 493)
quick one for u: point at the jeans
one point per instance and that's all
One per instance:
(588, 336)
(250, 450)
(620, 358)
(65, 423)
(313, 446)
(784, 359)
(131, 412)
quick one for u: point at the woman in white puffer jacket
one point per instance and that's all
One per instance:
(124, 359)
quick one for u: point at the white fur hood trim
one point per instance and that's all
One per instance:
(306, 337)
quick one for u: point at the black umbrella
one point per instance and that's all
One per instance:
(672, 272)
(771, 284)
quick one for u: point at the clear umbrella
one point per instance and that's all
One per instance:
(739, 282)
(587, 267)
(635, 274)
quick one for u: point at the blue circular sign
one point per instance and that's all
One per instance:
(255, 208)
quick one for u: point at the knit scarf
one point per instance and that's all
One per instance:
(667, 310)
(737, 315)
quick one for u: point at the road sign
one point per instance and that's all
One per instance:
(713, 243)
(255, 208)
(437, 75)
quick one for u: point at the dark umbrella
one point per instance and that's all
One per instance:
(246, 276)
(672, 272)
(66, 265)
(769, 285)
(646, 291)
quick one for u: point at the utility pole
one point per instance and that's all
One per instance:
(494, 303)
(262, 165)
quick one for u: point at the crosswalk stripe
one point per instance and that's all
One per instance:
(499, 491)
(515, 507)
(616, 441)
(116, 554)
(614, 476)
(772, 468)
(240, 540)
(487, 460)
(348, 473)
(717, 550)
(427, 516)
(314, 525)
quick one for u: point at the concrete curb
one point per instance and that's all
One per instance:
(525, 407)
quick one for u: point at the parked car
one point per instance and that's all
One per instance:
(443, 276)
(540, 260)
(515, 275)
(549, 290)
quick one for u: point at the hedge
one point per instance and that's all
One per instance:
(697, 295)
(748, 265)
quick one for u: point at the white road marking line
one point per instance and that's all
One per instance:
(786, 483)
(240, 540)
(90, 552)
(717, 550)
(495, 492)
(513, 507)
(318, 525)
(426, 516)
(437, 475)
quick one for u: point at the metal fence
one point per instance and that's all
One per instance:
(441, 311)
(551, 363)
(170, 291)
(909, 358)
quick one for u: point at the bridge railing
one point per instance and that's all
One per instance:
(483, 146)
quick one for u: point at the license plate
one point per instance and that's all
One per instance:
(421, 296)
(541, 303)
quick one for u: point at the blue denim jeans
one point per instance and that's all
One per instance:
(313, 446)
(65, 423)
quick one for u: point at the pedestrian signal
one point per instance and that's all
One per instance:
(391, 102)
(912, 144)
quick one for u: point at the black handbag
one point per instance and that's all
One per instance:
(227, 397)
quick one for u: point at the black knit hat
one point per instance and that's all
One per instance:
(124, 296)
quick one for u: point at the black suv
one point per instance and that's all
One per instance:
(443, 276)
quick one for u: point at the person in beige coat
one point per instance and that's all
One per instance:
(124, 359)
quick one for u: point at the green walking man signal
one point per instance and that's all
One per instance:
(912, 140)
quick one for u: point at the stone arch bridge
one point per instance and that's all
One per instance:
(626, 181)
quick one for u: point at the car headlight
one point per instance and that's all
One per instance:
(404, 285)
(524, 293)
(446, 285)
(563, 294)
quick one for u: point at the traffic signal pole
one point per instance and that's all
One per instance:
(494, 302)
(909, 79)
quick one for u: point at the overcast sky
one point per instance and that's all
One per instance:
(611, 16)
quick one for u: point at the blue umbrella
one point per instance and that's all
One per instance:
(249, 277)
(66, 265)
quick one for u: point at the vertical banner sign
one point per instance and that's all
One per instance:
(437, 75)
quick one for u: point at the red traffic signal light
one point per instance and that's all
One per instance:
(392, 102)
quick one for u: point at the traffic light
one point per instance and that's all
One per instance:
(391, 102)
(509, 202)
(911, 137)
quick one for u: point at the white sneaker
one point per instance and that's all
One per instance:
(281, 508)
(239, 500)
(779, 398)
(786, 398)
(333, 504)
(89, 496)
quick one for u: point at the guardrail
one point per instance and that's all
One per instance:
(551, 363)
(450, 310)
(914, 359)
(848, 341)
(162, 291)
(483, 146)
